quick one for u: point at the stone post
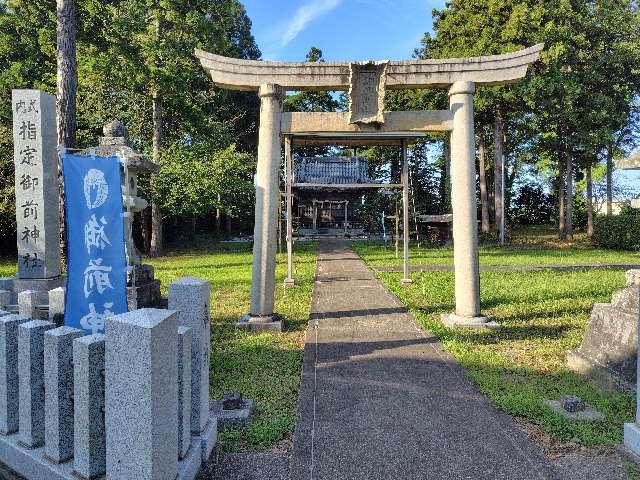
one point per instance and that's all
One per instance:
(58, 400)
(31, 381)
(36, 187)
(465, 221)
(5, 299)
(141, 367)
(9, 372)
(184, 390)
(56, 305)
(88, 407)
(265, 234)
(28, 303)
(190, 298)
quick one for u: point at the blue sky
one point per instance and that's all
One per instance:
(350, 30)
(342, 29)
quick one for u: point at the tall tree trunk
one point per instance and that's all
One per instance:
(66, 89)
(569, 193)
(67, 79)
(562, 227)
(157, 247)
(589, 202)
(484, 202)
(610, 180)
(498, 172)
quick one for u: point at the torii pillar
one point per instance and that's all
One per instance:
(465, 216)
(265, 234)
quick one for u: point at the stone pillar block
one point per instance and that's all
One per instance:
(56, 305)
(36, 184)
(142, 395)
(9, 372)
(31, 381)
(28, 301)
(58, 389)
(5, 299)
(88, 406)
(190, 297)
(184, 390)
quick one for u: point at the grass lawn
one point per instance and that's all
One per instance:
(264, 367)
(533, 246)
(543, 314)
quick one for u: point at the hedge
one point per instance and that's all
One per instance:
(620, 232)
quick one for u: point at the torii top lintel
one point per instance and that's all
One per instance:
(238, 74)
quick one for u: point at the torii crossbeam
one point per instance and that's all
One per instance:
(367, 123)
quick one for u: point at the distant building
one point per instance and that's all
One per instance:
(321, 210)
(600, 207)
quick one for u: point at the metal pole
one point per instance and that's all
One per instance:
(346, 203)
(405, 213)
(288, 161)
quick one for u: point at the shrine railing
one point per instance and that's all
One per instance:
(132, 403)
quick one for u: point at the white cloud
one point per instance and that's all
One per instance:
(306, 14)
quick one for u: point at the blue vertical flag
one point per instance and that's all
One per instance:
(96, 264)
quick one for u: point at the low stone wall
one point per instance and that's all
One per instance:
(130, 404)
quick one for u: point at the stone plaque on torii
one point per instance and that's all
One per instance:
(366, 124)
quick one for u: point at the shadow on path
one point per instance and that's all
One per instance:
(381, 399)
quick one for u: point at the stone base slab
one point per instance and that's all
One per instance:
(42, 285)
(33, 464)
(189, 466)
(632, 438)
(269, 323)
(601, 375)
(208, 438)
(146, 295)
(237, 417)
(406, 281)
(589, 414)
(289, 282)
(451, 320)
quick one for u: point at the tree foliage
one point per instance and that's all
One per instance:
(121, 59)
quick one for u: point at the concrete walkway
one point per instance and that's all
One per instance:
(380, 399)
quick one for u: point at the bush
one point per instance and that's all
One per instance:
(618, 231)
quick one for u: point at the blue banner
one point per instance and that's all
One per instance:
(96, 264)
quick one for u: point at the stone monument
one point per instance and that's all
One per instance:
(143, 290)
(37, 204)
(608, 352)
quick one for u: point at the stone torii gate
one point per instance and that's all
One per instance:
(367, 123)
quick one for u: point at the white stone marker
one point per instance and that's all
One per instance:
(28, 303)
(190, 297)
(184, 390)
(36, 184)
(9, 372)
(31, 381)
(58, 400)
(141, 366)
(88, 406)
(56, 305)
